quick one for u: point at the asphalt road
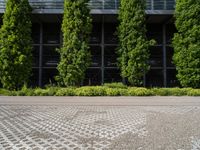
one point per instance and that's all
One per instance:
(102, 123)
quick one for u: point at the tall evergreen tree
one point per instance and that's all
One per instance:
(15, 45)
(75, 55)
(134, 47)
(186, 42)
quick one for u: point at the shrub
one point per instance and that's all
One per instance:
(65, 92)
(116, 92)
(139, 92)
(186, 42)
(115, 85)
(74, 55)
(41, 92)
(91, 91)
(170, 91)
(194, 92)
(24, 92)
(102, 91)
(52, 91)
(4, 92)
(16, 45)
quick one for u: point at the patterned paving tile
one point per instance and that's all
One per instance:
(82, 127)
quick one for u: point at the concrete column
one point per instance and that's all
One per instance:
(164, 56)
(40, 54)
(102, 51)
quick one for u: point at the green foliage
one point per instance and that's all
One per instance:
(4, 92)
(170, 91)
(116, 92)
(102, 91)
(41, 92)
(75, 55)
(194, 92)
(15, 45)
(90, 91)
(133, 45)
(24, 92)
(65, 92)
(187, 42)
(139, 92)
(115, 85)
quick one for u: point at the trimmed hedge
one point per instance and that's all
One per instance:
(107, 90)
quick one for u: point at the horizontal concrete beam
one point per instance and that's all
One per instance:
(96, 11)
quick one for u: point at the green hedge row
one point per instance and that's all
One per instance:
(106, 90)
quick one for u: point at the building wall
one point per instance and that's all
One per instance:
(103, 44)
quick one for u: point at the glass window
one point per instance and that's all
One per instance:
(172, 81)
(36, 33)
(96, 4)
(170, 5)
(112, 75)
(170, 53)
(48, 76)
(110, 4)
(154, 78)
(96, 34)
(51, 33)
(158, 4)
(148, 4)
(93, 77)
(170, 30)
(110, 36)
(110, 56)
(156, 56)
(96, 56)
(36, 55)
(50, 56)
(154, 31)
(34, 79)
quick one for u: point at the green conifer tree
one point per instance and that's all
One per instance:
(133, 45)
(74, 54)
(15, 45)
(186, 42)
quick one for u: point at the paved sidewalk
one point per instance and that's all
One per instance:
(102, 123)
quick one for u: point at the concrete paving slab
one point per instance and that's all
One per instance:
(102, 123)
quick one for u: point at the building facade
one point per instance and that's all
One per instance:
(47, 36)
